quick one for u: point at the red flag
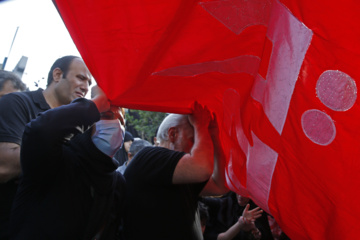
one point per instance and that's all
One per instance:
(280, 75)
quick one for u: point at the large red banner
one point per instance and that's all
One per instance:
(281, 76)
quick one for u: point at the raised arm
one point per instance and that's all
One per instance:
(44, 136)
(196, 166)
(217, 183)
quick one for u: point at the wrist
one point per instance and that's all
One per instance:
(242, 220)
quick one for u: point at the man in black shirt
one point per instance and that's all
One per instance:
(163, 183)
(68, 79)
(69, 188)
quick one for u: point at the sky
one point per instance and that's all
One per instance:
(41, 36)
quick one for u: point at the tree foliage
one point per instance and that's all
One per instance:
(144, 122)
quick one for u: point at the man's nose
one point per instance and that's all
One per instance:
(84, 87)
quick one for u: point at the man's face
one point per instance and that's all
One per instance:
(8, 88)
(76, 82)
(127, 145)
(185, 140)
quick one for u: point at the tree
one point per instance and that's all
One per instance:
(145, 123)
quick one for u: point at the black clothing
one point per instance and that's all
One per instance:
(17, 109)
(155, 207)
(68, 189)
(121, 155)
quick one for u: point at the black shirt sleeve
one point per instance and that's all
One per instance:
(154, 164)
(13, 118)
(44, 136)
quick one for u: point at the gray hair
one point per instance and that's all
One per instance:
(13, 78)
(172, 120)
(137, 145)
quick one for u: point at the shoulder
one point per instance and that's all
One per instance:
(153, 163)
(24, 106)
(16, 103)
(122, 168)
(158, 152)
(15, 96)
(156, 155)
(19, 98)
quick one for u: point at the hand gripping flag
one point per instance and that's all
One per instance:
(281, 76)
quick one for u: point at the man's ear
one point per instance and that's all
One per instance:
(172, 132)
(57, 74)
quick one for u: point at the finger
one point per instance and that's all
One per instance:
(122, 116)
(214, 116)
(247, 207)
(257, 214)
(197, 105)
(255, 210)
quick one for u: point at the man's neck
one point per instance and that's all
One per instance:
(167, 144)
(50, 98)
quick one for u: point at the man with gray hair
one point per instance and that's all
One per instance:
(165, 182)
(10, 82)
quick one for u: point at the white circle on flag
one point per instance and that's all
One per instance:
(318, 127)
(336, 90)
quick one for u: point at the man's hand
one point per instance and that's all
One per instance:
(248, 217)
(100, 99)
(200, 117)
(214, 128)
(114, 113)
(251, 215)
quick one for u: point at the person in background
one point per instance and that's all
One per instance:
(69, 187)
(122, 155)
(68, 79)
(262, 223)
(10, 82)
(226, 220)
(135, 147)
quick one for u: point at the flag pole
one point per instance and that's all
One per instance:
(6, 58)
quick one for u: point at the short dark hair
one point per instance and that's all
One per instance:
(137, 145)
(62, 63)
(15, 80)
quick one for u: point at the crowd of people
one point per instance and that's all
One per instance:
(70, 170)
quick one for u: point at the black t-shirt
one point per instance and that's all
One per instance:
(155, 207)
(16, 110)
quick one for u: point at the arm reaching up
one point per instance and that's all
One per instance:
(100, 99)
(217, 182)
(193, 138)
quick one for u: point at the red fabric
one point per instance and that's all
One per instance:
(282, 78)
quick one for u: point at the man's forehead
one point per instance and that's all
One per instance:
(80, 64)
(80, 67)
(186, 126)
